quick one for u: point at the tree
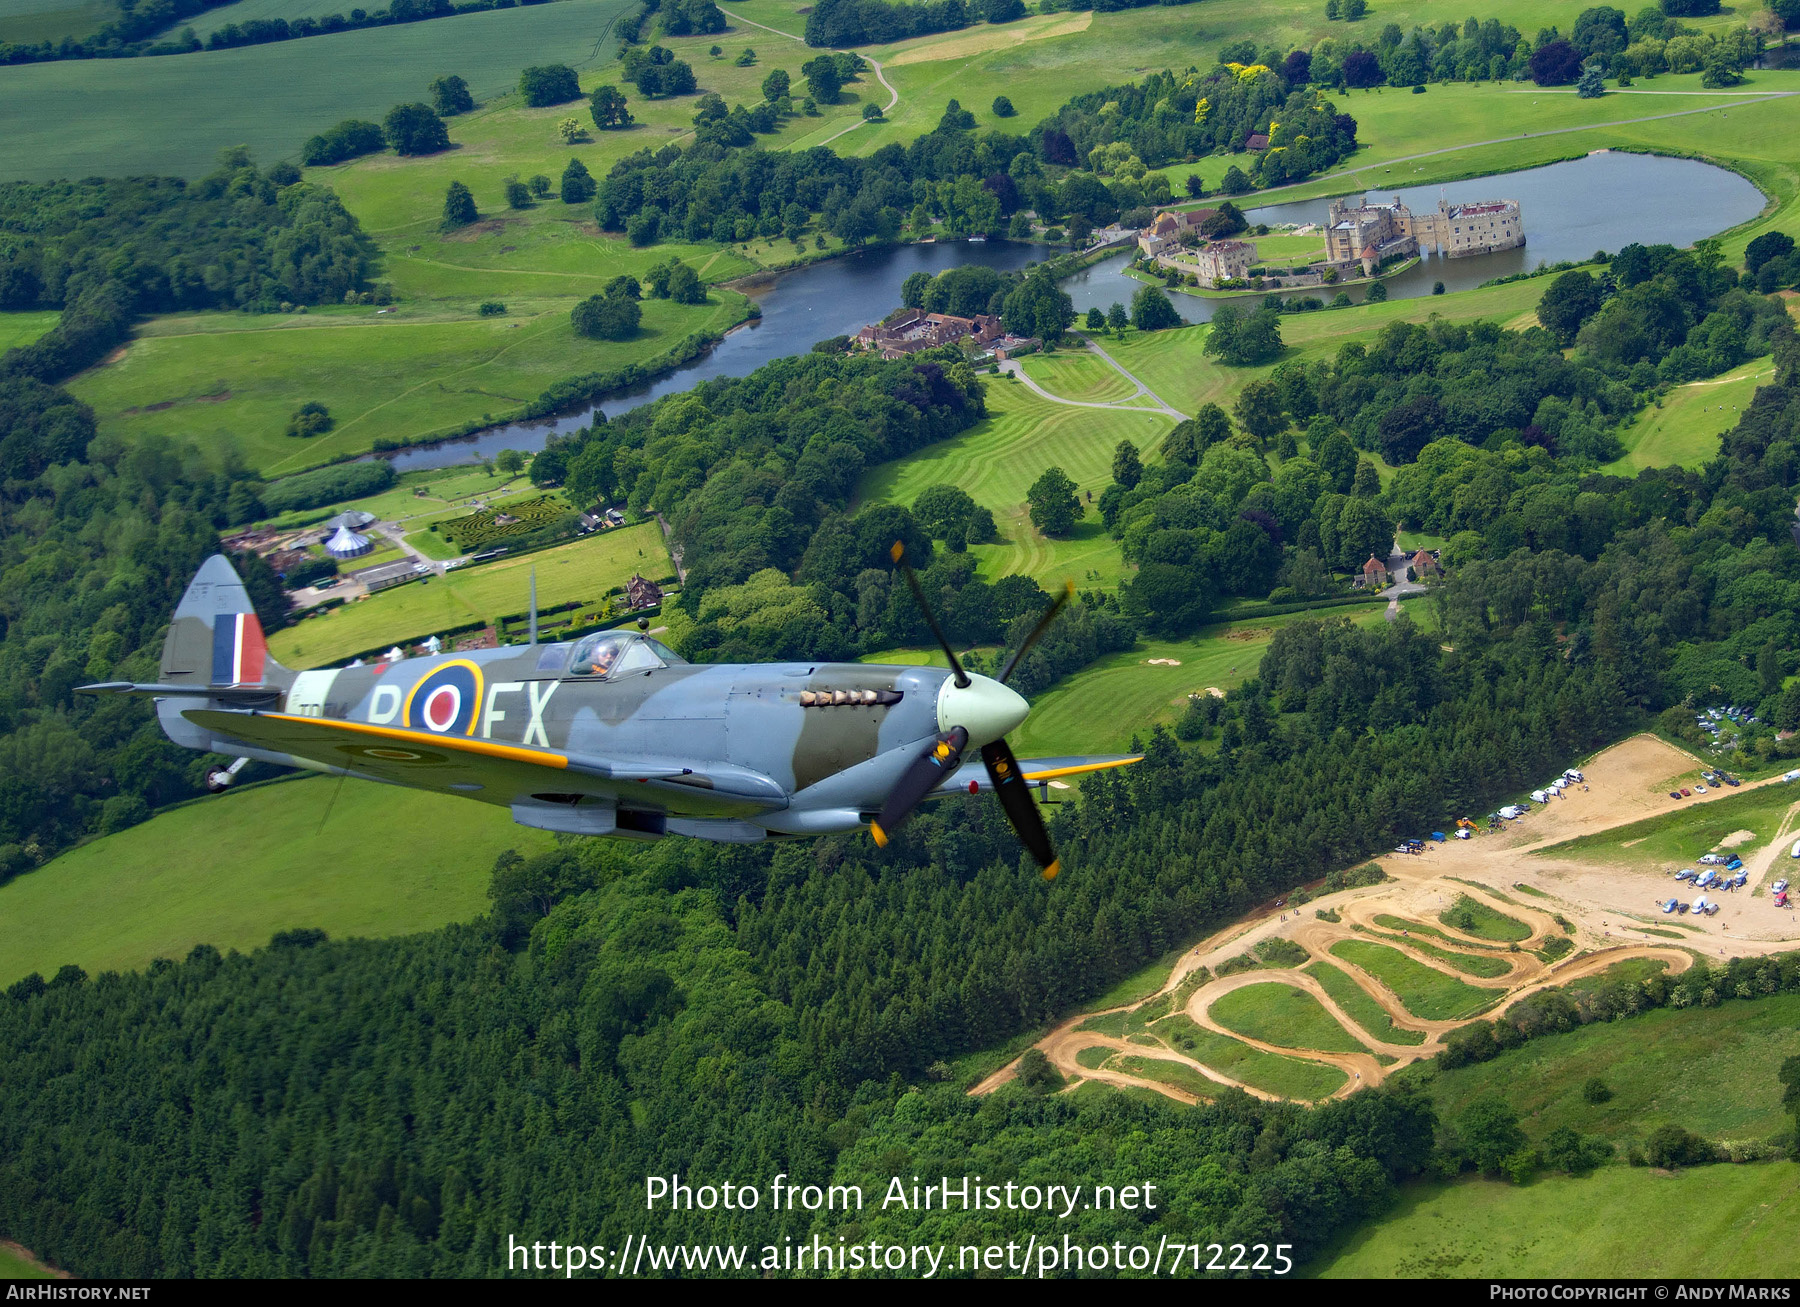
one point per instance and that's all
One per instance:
(1769, 245)
(577, 183)
(547, 84)
(518, 194)
(956, 118)
(1054, 507)
(1722, 69)
(823, 78)
(415, 129)
(871, 112)
(1555, 63)
(1003, 107)
(1591, 85)
(1333, 11)
(1152, 311)
(607, 104)
(685, 286)
(776, 85)
(1236, 181)
(310, 419)
(605, 317)
(1367, 483)
(1377, 293)
(1571, 300)
(1096, 319)
(510, 462)
(1117, 318)
(1038, 307)
(1002, 11)
(540, 186)
(1127, 465)
(1362, 69)
(459, 207)
(1259, 409)
(450, 96)
(570, 130)
(1490, 1132)
(1244, 339)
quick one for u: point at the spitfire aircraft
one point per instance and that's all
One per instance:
(612, 733)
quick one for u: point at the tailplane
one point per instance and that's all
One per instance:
(214, 656)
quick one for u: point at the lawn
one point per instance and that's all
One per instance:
(997, 460)
(1684, 429)
(228, 378)
(1281, 1014)
(1478, 919)
(1291, 1077)
(1426, 992)
(585, 569)
(1708, 1070)
(1082, 376)
(1483, 965)
(24, 327)
(26, 22)
(232, 870)
(1121, 695)
(1619, 1223)
(1678, 837)
(173, 114)
(1362, 1009)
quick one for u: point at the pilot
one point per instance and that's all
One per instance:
(595, 657)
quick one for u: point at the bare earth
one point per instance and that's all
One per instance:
(1612, 909)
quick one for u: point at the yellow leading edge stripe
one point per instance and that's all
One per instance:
(1076, 771)
(487, 748)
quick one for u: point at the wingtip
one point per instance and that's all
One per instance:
(879, 835)
(1052, 869)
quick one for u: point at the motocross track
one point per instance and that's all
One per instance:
(1610, 907)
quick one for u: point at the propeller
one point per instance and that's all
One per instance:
(946, 751)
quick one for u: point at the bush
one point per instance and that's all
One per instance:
(1003, 107)
(1596, 1090)
(1282, 952)
(1672, 1147)
(492, 309)
(549, 84)
(350, 139)
(329, 485)
(310, 419)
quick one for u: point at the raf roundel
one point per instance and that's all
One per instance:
(446, 701)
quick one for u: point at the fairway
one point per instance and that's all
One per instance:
(1281, 1014)
(1291, 1077)
(585, 569)
(1362, 1009)
(1101, 707)
(996, 461)
(23, 328)
(1079, 376)
(1621, 1222)
(173, 114)
(231, 871)
(1684, 430)
(235, 379)
(1426, 993)
(1712, 1071)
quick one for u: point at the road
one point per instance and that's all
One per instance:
(1157, 404)
(880, 76)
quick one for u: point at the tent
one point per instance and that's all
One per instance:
(346, 543)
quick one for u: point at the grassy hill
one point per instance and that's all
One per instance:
(232, 870)
(1619, 1222)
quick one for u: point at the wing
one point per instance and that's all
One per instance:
(1038, 771)
(490, 769)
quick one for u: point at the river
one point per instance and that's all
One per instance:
(1600, 202)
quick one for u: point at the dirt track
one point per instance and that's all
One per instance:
(1608, 906)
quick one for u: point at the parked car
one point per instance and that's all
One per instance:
(1686, 793)
(1734, 864)
(1687, 874)
(1732, 781)
(1778, 887)
(1674, 794)
(1713, 859)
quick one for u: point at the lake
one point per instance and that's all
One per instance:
(1602, 201)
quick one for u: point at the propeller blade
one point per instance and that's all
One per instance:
(924, 776)
(1037, 631)
(899, 555)
(1021, 809)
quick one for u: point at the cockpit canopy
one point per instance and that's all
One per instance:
(607, 654)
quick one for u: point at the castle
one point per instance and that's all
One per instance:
(1369, 233)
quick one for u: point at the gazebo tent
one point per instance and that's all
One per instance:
(347, 543)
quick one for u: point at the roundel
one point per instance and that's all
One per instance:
(446, 701)
(387, 753)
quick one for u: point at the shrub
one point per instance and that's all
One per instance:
(350, 139)
(415, 129)
(492, 309)
(310, 419)
(1596, 1090)
(602, 317)
(549, 84)
(1671, 1146)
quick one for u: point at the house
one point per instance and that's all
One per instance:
(640, 593)
(912, 330)
(1168, 227)
(1256, 142)
(1423, 564)
(1374, 574)
(1224, 261)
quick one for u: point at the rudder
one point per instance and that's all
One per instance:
(215, 637)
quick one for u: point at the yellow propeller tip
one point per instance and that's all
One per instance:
(898, 550)
(1052, 869)
(880, 835)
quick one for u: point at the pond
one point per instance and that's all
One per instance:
(1602, 201)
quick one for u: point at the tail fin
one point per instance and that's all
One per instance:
(215, 638)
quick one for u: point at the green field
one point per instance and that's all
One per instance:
(78, 118)
(1362, 1009)
(235, 379)
(1680, 836)
(1281, 1014)
(26, 22)
(1100, 707)
(1426, 992)
(13, 1266)
(23, 328)
(1470, 964)
(1685, 429)
(997, 460)
(1621, 1222)
(244, 11)
(1483, 922)
(585, 569)
(232, 870)
(1080, 376)
(1708, 1070)
(1291, 1077)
